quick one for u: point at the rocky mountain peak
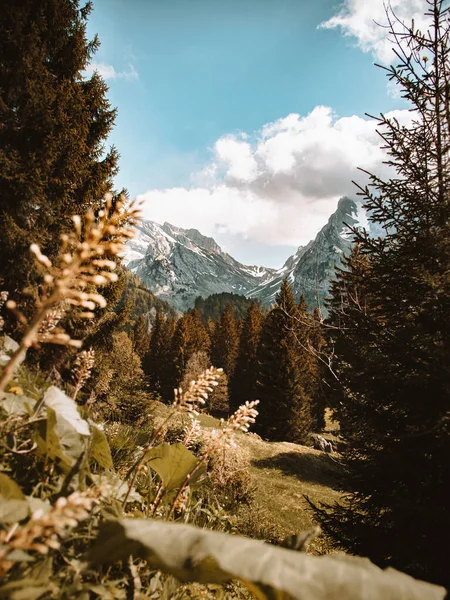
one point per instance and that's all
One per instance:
(200, 240)
(180, 264)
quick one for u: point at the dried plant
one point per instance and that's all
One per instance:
(239, 421)
(84, 262)
(188, 401)
(84, 363)
(192, 432)
(41, 532)
(219, 439)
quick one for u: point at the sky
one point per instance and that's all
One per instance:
(246, 119)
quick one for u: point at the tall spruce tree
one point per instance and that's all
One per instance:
(285, 409)
(224, 344)
(199, 338)
(156, 362)
(54, 124)
(242, 385)
(317, 343)
(140, 336)
(309, 340)
(390, 314)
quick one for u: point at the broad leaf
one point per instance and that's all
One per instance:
(16, 405)
(13, 504)
(194, 554)
(66, 408)
(100, 450)
(172, 462)
(63, 434)
(56, 438)
(7, 347)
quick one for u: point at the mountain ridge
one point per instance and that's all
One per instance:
(179, 264)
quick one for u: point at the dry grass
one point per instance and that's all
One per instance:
(281, 475)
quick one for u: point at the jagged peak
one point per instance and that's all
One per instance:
(200, 240)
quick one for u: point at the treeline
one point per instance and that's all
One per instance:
(272, 357)
(213, 306)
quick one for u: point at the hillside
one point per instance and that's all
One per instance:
(279, 475)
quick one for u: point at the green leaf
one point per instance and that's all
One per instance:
(16, 405)
(66, 408)
(13, 504)
(100, 450)
(57, 439)
(194, 554)
(172, 462)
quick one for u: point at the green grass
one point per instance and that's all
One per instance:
(282, 474)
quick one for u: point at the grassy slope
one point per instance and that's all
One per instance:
(282, 474)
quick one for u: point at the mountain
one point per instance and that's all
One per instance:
(178, 265)
(310, 269)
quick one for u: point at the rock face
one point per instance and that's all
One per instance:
(310, 269)
(178, 265)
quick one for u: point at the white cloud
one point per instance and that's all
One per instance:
(280, 185)
(237, 156)
(109, 72)
(361, 19)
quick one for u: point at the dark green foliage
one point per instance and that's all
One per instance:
(243, 382)
(54, 125)
(224, 344)
(141, 336)
(392, 334)
(285, 408)
(141, 298)
(157, 361)
(214, 306)
(309, 338)
(190, 337)
(199, 338)
(318, 387)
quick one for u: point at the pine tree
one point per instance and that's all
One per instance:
(243, 382)
(317, 392)
(224, 345)
(285, 411)
(141, 336)
(199, 339)
(54, 124)
(181, 350)
(156, 362)
(309, 340)
(391, 330)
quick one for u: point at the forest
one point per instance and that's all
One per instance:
(125, 426)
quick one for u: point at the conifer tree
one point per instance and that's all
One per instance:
(317, 392)
(242, 384)
(54, 124)
(141, 336)
(285, 408)
(181, 350)
(390, 327)
(224, 345)
(156, 362)
(309, 340)
(199, 339)
(210, 328)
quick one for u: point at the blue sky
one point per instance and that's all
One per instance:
(204, 90)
